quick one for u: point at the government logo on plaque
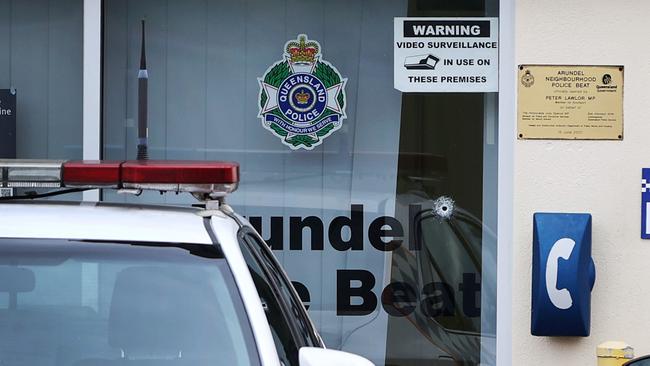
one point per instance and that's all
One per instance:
(302, 96)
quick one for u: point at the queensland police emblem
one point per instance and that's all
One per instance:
(302, 96)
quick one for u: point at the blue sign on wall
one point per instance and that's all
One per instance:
(645, 203)
(7, 124)
(563, 274)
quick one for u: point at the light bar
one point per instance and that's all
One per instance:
(31, 173)
(204, 179)
(92, 173)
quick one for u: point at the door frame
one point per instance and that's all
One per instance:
(505, 189)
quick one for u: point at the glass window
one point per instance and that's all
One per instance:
(337, 204)
(83, 303)
(41, 72)
(446, 191)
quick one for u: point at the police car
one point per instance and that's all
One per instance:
(85, 283)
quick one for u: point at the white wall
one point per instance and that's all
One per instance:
(598, 177)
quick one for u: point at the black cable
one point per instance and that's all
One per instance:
(33, 195)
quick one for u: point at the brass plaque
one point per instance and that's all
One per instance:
(570, 102)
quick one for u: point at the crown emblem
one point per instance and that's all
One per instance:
(302, 52)
(302, 97)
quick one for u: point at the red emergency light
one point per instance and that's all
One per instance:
(201, 178)
(181, 172)
(82, 173)
(196, 177)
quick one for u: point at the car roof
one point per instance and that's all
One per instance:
(103, 221)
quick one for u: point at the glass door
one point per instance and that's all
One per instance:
(379, 204)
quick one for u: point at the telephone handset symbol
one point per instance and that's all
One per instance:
(561, 298)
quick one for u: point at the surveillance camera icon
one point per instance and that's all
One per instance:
(421, 62)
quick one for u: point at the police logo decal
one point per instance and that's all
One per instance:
(302, 96)
(528, 79)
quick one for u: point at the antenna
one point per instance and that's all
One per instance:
(143, 80)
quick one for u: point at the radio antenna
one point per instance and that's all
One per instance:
(143, 80)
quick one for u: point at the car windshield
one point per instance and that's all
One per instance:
(74, 302)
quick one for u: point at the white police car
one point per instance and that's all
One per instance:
(106, 284)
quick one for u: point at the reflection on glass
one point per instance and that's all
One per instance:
(42, 61)
(451, 259)
(394, 155)
(643, 361)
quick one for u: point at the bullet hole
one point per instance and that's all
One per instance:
(443, 207)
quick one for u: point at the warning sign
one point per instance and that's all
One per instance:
(441, 55)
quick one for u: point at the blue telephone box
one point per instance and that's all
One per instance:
(563, 274)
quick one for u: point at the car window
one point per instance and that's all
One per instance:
(276, 314)
(298, 311)
(88, 303)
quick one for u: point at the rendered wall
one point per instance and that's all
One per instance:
(598, 177)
